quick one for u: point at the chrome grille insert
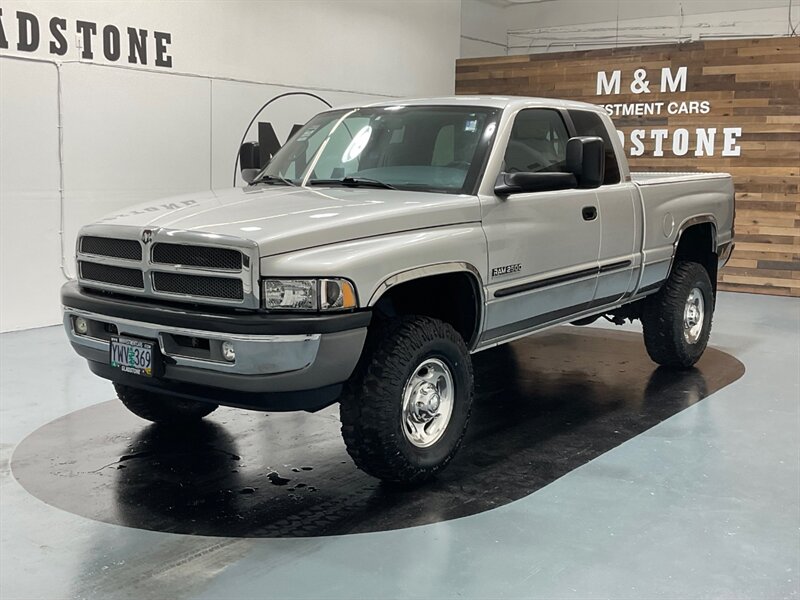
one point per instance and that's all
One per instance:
(198, 285)
(189, 266)
(102, 246)
(207, 257)
(121, 276)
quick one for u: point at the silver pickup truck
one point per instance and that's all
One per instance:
(378, 249)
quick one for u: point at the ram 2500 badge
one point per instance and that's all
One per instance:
(378, 249)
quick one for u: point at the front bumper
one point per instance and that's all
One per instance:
(283, 362)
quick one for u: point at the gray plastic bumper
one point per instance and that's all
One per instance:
(264, 363)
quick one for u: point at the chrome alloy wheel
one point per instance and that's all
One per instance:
(428, 403)
(693, 316)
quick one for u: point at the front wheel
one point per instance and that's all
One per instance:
(677, 320)
(406, 409)
(162, 408)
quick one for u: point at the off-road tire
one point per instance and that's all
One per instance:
(162, 408)
(371, 406)
(663, 318)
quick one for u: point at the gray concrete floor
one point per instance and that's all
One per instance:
(704, 505)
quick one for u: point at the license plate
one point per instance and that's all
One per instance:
(132, 356)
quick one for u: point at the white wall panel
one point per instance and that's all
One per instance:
(29, 181)
(130, 137)
(394, 47)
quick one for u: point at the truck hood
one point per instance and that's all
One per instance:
(283, 219)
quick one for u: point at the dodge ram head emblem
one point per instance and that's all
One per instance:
(147, 236)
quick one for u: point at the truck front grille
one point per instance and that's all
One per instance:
(102, 246)
(170, 264)
(113, 275)
(198, 285)
(206, 257)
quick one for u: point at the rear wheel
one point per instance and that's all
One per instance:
(406, 410)
(162, 408)
(677, 320)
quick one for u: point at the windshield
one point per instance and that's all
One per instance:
(430, 148)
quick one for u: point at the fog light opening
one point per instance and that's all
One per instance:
(81, 326)
(228, 351)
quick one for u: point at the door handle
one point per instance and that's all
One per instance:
(589, 213)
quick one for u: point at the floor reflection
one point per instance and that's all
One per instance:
(544, 406)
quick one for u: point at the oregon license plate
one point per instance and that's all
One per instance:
(132, 356)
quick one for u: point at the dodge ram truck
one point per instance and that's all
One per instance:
(378, 249)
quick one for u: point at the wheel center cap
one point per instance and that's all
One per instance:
(427, 403)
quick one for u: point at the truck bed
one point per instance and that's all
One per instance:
(670, 201)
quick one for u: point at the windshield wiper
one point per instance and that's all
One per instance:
(353, 182)
(273, 179)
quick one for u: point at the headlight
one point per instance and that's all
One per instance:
(308, 294)
(290, 294)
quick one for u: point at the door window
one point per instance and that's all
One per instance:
(538, 142)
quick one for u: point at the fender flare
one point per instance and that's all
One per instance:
(691, 222)
(443, 268)
(697, 220)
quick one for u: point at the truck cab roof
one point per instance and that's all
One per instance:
(503, 102)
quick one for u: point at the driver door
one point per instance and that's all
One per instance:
(544, 246)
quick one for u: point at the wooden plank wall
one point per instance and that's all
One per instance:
(753, 84)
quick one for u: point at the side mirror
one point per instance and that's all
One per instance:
(517, 183)
(249, 161)
(249, 157)
(249, 175)
(586, 159)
